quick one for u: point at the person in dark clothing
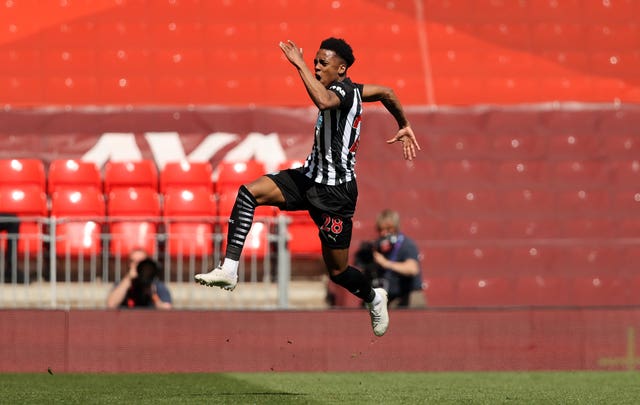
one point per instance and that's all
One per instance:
(10, 224)
(392, 261)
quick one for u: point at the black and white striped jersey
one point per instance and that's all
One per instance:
(337, 132)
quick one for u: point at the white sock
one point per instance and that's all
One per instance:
(377, 299)
(230, 266)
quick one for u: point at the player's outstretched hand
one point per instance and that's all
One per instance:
(292, 52)
(409, 142)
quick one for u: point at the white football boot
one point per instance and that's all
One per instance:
(218, 278)
(379, 313)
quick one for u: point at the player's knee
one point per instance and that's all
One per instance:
(335, 272)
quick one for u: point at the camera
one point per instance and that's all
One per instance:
(384, 245)
(141, 289)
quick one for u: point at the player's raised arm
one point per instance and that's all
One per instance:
(316, 88)
(388, 98)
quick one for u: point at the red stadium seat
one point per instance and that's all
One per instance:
(522, 173)
(70, 89)
(549, 36)
(77, 34)
(472, 201)
(474, 228)
(440, 291)
(22, 172)
(627, 227)
(467, 171)
(509, 90)
(533, 259)
(484, 291)
(537, 290)
(626, 201)
(231, 175)
(73, 173)
(621, 145)
(190, 218)
(303, 232)
(124, 60)
(27, 202)
(600, 290)
(129, 89)
(479, 259)
(291, 164)
(141, 173)
(583, 201)
(634, 286)
(581, 173)
(178, 33)
(80, 212)
(626, 172)
(586, 227)
(612, 37)
(519, 146)
(574, 146)
(134, 214)
(527, 201)
(178, 61)
(303, 235)
(69, 62)
(186, 175)
(19, 61)
(113, 34)
(181, 88)
(529, 228)
(589, 260)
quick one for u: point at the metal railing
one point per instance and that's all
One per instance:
(47, 269)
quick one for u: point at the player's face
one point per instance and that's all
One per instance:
(328, 66)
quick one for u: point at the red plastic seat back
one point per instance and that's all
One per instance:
(140, 173)
(22, 172)
(72, 173)
(190, 218)
(232, 175)
(81, 213)
(27, 202)
(134, 214)
(186, 175)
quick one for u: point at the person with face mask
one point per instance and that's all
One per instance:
(392, 261)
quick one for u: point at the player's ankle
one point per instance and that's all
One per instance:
(230, 266)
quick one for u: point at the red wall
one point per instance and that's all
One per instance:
(208, 341)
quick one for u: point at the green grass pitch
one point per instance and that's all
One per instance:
(324, 388)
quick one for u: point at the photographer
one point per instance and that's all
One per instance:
(392, 261)
(140, 287)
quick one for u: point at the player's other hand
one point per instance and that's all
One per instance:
(409, 142)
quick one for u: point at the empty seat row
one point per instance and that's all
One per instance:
(522, 290)
(531, 290)
(133, 215)
(72, 172)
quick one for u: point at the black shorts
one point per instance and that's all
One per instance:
(330, 207)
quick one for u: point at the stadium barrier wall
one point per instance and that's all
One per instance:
(339, 340)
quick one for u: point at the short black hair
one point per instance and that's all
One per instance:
(341, 48)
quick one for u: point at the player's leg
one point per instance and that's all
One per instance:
(359, 285)
(262, 191)
(335, 235)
